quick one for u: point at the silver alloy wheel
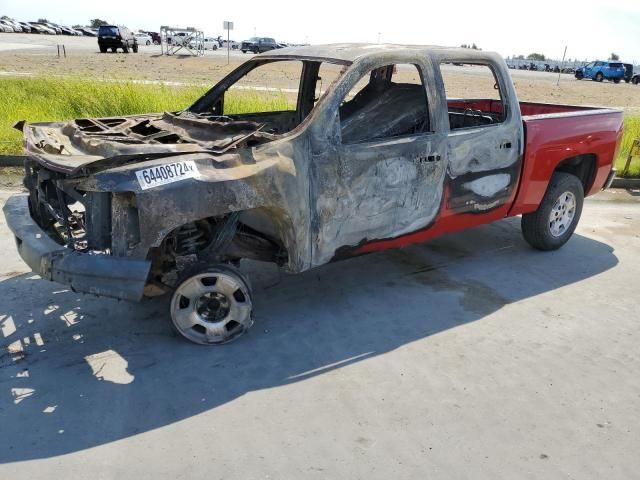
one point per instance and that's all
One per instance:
(562, 214)
(212, 307)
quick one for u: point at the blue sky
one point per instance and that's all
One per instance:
(590, 29)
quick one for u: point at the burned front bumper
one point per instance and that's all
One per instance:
(99, 274)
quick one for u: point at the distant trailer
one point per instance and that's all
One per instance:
(175, 39)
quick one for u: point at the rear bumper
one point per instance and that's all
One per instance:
(111, 43)
(99, 274)
(612, 175)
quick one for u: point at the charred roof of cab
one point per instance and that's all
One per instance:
(350, 52)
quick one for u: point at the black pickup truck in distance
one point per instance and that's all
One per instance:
(258, 45)
(114, 37)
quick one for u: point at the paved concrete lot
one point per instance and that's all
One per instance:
(471, 356)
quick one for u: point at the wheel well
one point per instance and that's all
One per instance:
(582, 166)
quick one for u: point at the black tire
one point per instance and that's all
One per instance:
(125, 49)
(135, 48)
(147, 43)
(599, 77)
(103, 49)
(635, 80)
(114, 49)
(536, 226)
(256, 51)
(616, 80)
(579, 76)
(244, 51)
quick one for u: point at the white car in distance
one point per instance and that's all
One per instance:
(211, 43)
(143, 38)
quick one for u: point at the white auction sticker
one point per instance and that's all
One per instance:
(167, 173)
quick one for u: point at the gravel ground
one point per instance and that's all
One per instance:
(471, 356)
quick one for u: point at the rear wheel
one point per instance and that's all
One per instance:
(551, 226)
(103, 49)
(212, 306)
(135, 48)
(635, 80)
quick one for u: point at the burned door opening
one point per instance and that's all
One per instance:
(483, 145)
(385, 178)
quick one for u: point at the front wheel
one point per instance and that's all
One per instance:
(212, 306)
(599, 77)
(551, 226)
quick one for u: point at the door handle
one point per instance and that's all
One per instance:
(505, 145)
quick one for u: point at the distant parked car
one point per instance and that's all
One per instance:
(27, 28)
(600, 70)
(88, 32)
(258, 45)
(628, 72)
(155, 37)
(114, 37)
(211, 43)
(143, 38)
(16, 25)
(10, 25)
(44, 28)
(68, 30)
(20, 27)
(54, 26)
(5, 27)
(233, 44)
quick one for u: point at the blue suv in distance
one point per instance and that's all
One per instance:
(599, 71)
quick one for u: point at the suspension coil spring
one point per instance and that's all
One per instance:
(190, 239)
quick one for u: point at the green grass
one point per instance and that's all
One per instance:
(631, 133)
(54, 99)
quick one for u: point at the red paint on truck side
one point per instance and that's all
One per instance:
(553, 133)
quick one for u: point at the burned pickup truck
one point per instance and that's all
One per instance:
(380, 146)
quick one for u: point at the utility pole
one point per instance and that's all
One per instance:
(562, 66)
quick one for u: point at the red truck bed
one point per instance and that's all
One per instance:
(555, 133)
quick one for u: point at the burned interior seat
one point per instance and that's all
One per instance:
(400, 109)
(466, 118)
